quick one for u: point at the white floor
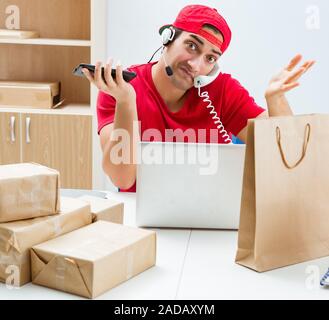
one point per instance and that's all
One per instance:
(196, 264)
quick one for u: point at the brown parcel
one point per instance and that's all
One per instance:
(16, 238)
(21, 94)
(94, 259)
(105, 209)
(28, 190)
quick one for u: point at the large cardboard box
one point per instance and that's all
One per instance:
(16, 238)
(22, 94)
(93, 259)
(28, 190)
(105, 209)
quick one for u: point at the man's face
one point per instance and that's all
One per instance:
(191, 55)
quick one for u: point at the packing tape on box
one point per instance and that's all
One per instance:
(60, 273)
(130, 263)
(128, 252)
(14, 258)
(57, 225)
(10, 247)
(8, 242)
(34, 191)
(31, 198)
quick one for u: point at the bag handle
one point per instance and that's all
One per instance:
(306, 141)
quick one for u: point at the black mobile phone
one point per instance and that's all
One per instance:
(127, 75)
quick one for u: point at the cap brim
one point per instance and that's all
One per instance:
(164, 27)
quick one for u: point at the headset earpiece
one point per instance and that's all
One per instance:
(168, 35)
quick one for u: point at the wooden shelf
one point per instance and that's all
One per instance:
(69, 109)
(48, 42)
(47, 63)
(52, 19)
(64, 138)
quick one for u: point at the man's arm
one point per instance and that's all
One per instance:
(121, 173)
(242, 135)
(277, 104)
(280, 84)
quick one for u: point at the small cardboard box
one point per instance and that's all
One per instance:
(28, 190)
(21, 94)
(105, 209)
(17, 238)
(93, 259)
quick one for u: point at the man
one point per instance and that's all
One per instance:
(163, 95)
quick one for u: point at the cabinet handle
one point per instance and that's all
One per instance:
(12, 129)
(28, 122)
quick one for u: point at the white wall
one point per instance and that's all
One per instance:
(266, 34)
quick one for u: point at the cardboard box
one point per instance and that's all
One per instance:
(93, 259)
(105, 209)
(28, 190)
(21, 94)
(17, 238)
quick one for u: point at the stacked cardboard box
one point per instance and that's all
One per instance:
(105, 209)
(52, 240)
(28, 190)
(17, 238)
(93, 259)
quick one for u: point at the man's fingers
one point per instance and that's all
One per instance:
(88, 75)
(107, 73)
(98, 76)
(119, 76)
(293, 63)
(307, 65)
(295, 75)
(288, 87)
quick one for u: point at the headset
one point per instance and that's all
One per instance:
(168, 35)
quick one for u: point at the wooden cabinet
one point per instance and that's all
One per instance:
(62, 142)
(71, 32)
(10, 137)
(59, 141)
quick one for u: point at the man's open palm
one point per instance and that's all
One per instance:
(287, 78)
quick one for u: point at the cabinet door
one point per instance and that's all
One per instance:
(9, 137)
(62, 142)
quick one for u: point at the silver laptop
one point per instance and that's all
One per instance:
(189, 185)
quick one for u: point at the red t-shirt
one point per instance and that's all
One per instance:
(232, 102)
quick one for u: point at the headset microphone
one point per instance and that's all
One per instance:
(169, 70)
(168, 35)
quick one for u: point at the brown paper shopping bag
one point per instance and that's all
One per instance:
(285, 199)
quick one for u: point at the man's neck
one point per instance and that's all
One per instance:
(169, 93)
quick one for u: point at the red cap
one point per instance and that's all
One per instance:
(192, 18)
